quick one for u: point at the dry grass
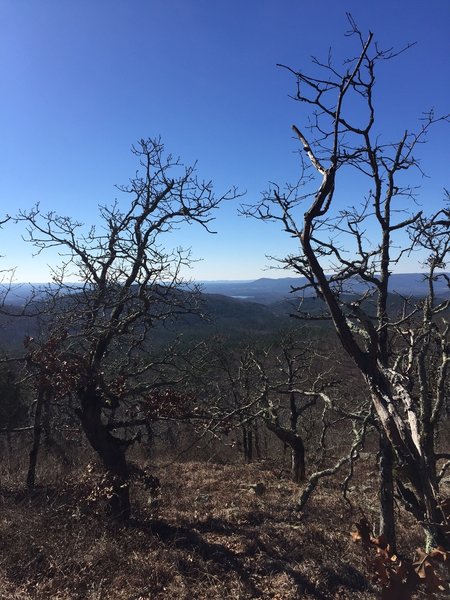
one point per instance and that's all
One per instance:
(213, 537)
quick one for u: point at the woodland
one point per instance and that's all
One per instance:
(160, 441)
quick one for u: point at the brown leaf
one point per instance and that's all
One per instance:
(440, 554)
(363, 528)
(381, 572)
(419, 563)
(356, 536)
(381, 542)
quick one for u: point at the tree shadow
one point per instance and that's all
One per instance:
(191, 537)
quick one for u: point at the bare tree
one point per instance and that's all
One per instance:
(104, 356)
(292, 387)
(280, 388)
(234, 389)
(347, 257)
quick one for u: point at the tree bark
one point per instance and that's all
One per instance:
(112, 452)
(421, 499)
(298, 467)
(257, 444)
(248, 444)
(37, 431)
(295, 443)
(387, 515)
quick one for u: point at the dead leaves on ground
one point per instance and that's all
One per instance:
(398, 577)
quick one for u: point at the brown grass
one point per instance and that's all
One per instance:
(212, 537)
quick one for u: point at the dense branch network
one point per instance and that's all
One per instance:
(348, 252)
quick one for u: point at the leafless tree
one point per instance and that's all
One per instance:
(280, 387)
(292, 370)
(231, 392)
(103, 352)
(347, 255)
(293, 394)
(314, 402)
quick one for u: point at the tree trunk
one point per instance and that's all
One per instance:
(387, 515)
(112, 452)
(421, 497)
(297, 446)
(257, 444)
(37, 431)
(295, 443)
(298, 468)
(248, 444)
(10, 450)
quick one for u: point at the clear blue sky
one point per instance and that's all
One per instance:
(81, 80)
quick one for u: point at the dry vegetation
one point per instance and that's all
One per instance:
(212, 536)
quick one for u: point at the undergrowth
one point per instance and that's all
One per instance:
(213, 533)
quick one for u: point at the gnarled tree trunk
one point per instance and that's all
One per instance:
(112, 452)
(295, 443)
(387, 516)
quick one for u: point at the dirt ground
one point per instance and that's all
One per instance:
(217, 532)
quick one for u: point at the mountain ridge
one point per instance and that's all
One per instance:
(268, 290)
(264, 290)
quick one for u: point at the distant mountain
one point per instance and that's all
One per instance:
(235, 309)
(264, 290)
(269, 291)
(17, 294)
(414, 284)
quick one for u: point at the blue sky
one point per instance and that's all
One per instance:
(82, 80)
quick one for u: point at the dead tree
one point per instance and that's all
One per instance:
(347, 255)
(106, 355)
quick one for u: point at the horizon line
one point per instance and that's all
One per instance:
(200, 281)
